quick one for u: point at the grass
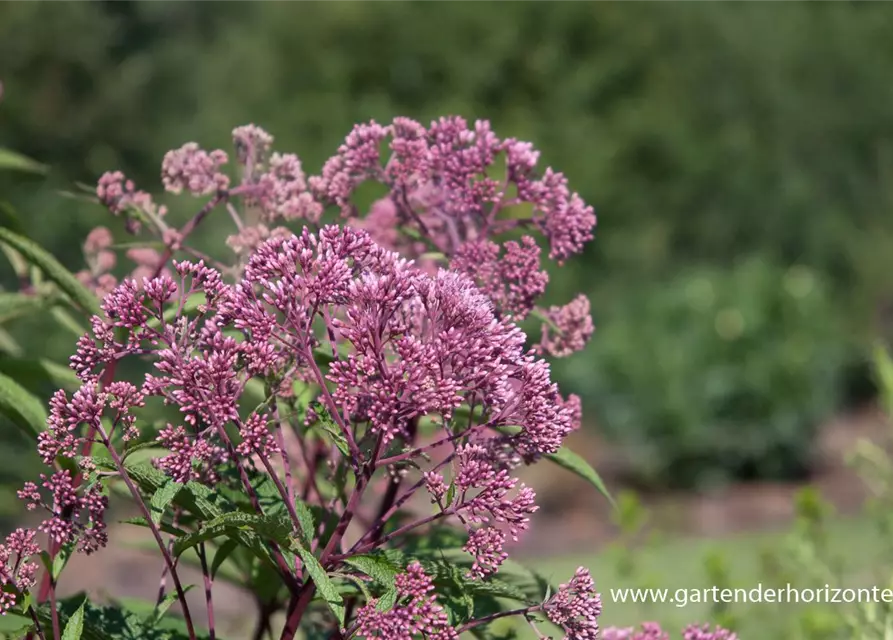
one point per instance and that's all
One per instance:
(675, 563)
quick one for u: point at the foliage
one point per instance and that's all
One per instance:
(325, 387)
(715, 376)
(778, 142)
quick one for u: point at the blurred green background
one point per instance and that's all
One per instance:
(738, 156)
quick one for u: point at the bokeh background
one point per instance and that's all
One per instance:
(739, 157)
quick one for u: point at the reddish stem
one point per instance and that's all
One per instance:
(168, 559)
(208, 582)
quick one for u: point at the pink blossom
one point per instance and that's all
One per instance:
(576, 607)
(415, 616)
(192, 169)
(570, 329)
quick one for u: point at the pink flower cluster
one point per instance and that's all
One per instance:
(101, 259)
(443, 194)
(653, 631)
(17, 573)
(441, 183)
(119, 195)
(575, 607)
(416, 614)
(407, 345)
(74, 515)
(192, 169)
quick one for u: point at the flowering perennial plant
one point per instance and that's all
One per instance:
(332, 417)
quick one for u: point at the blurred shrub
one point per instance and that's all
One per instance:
(716, 375)
(807, 557)
(778, 138)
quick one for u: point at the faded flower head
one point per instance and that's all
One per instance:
(193, 169)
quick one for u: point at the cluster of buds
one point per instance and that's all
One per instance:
(399, 320)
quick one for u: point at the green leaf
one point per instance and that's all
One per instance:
(15, 625)
(15, 304)
(323, 583)
(22, 408)
(74, 628)
(12, 161)
(162, 498)
(450, 494)
(575, 464)
(53, 270)
(165, 604)
(361, 585)
(140, 521)
(10, 219)
(276, 527)
(305, 518)
(387, 600)
(376, 566)
(327, 423)
(883, 366)
(64, 320)
(222, 554)
(190, 307)
(37, 373)
(62, 558)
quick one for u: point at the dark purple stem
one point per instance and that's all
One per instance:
(202, 555)
(168, 559)
(496, 616)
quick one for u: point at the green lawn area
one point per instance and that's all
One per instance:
(680, 563)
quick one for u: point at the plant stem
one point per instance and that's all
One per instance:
(285, 570)
(37, 628)
(147, 514)
(208, 582)
(296, 612)
(54, 610)
(496, 616)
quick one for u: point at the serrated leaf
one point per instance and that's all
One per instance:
(305, 519)
(21, 407)
(53, 270)
(162, 499)
(74, 628)
(140, 521)
(376, 566)
(324, 584)
(165, 604)
(569, 460)
(387, 600)
(276, 527)
(328, 424)
(13, 161)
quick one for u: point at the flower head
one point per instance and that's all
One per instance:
(576, 607)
